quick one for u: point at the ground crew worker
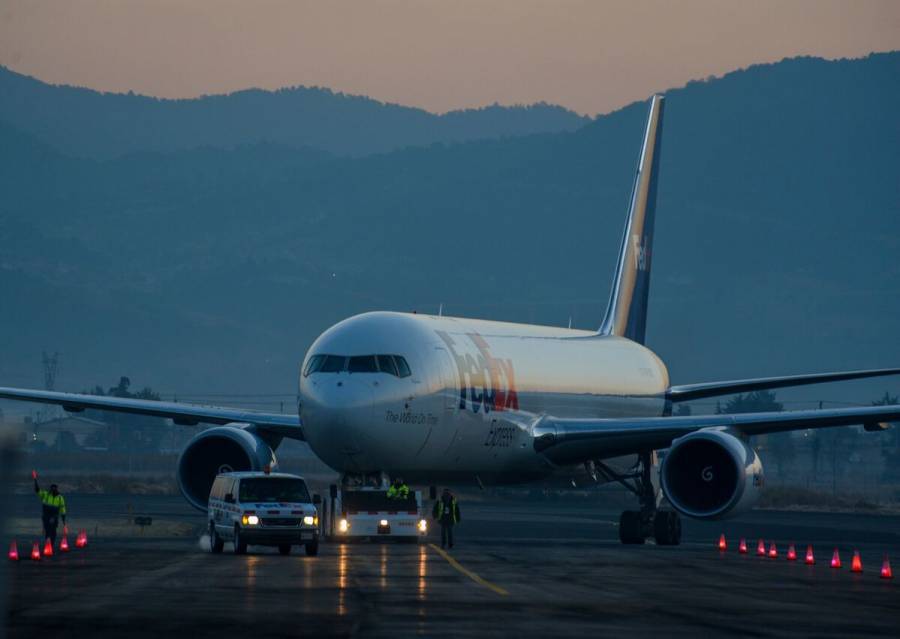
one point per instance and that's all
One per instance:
(446, 512)
(398, 490)
(53, 507)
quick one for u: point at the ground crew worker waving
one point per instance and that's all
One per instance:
(398, 490)
(53, 507)
(446, 512)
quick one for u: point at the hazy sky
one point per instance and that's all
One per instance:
(590, 56)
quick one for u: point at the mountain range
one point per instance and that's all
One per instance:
(86, 123)
(209, 264)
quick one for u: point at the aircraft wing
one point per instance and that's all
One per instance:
(183, 414)
(566, 441)
(691, 392)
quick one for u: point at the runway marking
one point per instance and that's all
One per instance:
(468, 573)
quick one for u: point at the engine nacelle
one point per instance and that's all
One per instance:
(711, 474)
(219, 450)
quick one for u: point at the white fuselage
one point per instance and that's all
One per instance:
(475, 391)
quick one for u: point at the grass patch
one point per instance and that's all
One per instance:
(794, 497)
(108, 484)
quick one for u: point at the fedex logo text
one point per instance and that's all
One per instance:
(486, 382)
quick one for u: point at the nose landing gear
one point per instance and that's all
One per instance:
(636, 526)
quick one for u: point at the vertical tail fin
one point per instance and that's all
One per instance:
(626, 314)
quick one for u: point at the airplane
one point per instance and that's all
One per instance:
(446, 399)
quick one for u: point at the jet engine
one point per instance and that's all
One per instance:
(232, 447)
(711, 474)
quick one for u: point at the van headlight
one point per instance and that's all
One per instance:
(311, 520)
(250, 520)
(343, 525)
(423, 525)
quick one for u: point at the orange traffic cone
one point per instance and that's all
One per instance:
(36, 551)
(81, 539)
(722, 544)
(810, 559)
(14, 552)
(64, 544)
(761, 548)
(856, 564)
(48, 548)
(792, 553)
(773, 551)
(886, 569)
(742, 548)
(836, 559)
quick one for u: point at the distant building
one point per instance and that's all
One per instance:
(63, 434)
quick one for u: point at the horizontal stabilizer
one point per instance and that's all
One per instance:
(691, 392)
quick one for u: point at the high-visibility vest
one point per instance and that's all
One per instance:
(398, 493)
(454, 510)
(52, 502)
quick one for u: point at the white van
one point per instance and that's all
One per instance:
(266, 509)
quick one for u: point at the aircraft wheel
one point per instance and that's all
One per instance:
(667, 528)
(630, 527)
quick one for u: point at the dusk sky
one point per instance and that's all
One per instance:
(592, 57)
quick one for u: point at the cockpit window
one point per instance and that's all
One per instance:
(391, 364)
(386, 365)
(402, 366)
(363, 364)
(333, 364)
(314, 365)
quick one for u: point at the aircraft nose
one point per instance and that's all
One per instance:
(337, 394)
(336, 413)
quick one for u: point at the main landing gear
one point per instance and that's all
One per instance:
(635, 526)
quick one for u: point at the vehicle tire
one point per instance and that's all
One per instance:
(312, 548)
(284, 549)
(216, 544)
(240, 546)
(667, 528)
(630, 527)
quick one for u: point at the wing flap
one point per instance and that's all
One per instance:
(689, 392)
(184, 414)
(565, 441)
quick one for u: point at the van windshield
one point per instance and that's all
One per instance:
(274, 489)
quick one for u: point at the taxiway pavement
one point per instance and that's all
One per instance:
(519, 569)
